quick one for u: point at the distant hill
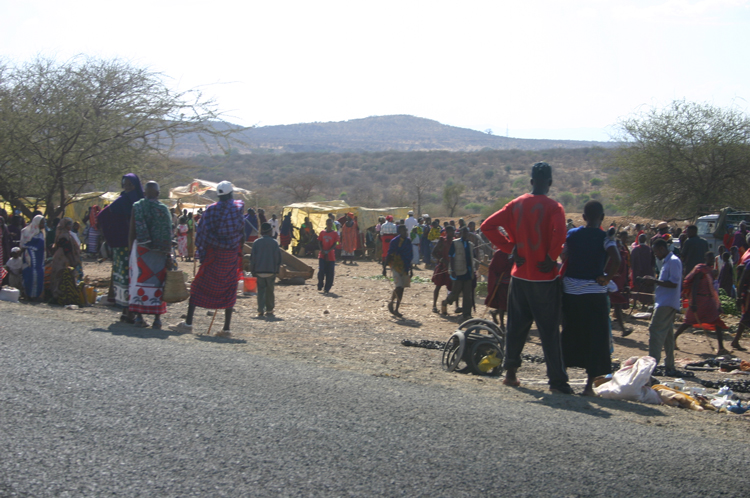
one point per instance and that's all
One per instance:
(373, 134)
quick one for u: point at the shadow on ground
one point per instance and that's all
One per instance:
(590, 406)
(129, 330)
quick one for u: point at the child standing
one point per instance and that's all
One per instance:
(15, 268)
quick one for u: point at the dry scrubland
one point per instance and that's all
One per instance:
(380, 179)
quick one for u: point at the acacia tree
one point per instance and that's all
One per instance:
(68, 126)
(419, 185)
(301, 186)
(684, 160)
(452, 193)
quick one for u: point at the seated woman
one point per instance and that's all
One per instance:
(591, 258)
(66, 265)
(308, 240)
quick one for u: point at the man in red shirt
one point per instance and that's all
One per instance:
(536, 230)
(327, 241)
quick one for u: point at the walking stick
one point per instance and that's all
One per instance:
(212, 322)
(195, 263)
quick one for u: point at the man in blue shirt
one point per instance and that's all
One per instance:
(667, 302)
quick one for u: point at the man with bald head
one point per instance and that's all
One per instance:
(151, 242)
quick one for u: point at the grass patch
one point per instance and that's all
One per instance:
(481, 289)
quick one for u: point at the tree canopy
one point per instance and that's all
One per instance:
(684, 160)
(66, 127)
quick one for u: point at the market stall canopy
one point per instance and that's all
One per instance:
(318, 213)
(205, 190)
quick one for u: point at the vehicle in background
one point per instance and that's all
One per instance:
(709, 226)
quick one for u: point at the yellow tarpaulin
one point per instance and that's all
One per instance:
(318, 213)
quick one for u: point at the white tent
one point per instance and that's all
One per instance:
(206, 190)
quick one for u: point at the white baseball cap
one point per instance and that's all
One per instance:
(224, 188)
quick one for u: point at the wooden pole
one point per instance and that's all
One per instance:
(212, 322)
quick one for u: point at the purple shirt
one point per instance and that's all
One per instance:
(221, 226)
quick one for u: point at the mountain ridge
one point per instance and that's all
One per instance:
(398, 132)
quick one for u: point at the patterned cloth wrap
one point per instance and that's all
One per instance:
(148, 257)
(219, 241)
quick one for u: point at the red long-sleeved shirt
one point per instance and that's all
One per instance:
(535, 225)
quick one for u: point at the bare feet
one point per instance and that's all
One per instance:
(589, 392)
(736, 346)
(511, 379)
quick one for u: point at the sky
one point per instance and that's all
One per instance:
(531, 69)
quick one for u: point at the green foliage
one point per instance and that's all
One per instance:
(596, 182)
(566, 198)
(489, 173)
(728, 305)
(684, 160)
(520, 182)
(65, 127)
(475, 207)
(595, 195)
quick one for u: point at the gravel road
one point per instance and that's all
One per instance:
(92, 411)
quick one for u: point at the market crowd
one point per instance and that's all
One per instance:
(574, 282)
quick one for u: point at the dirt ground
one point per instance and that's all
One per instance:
(351, 329)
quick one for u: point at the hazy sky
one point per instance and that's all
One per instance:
(541, 68)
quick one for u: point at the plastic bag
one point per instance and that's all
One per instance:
(631, 382)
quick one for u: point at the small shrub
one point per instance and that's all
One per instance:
(475, 207)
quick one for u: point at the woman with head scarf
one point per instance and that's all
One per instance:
(114, 225)
(66, 265)
(33, 243)
(92, 242)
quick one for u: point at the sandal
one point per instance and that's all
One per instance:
(141, 323)
(126, 319)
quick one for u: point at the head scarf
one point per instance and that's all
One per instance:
(136, 183)
(64, 227)
(123, 205)
(32, 230)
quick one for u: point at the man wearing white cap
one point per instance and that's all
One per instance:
(219, 241)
